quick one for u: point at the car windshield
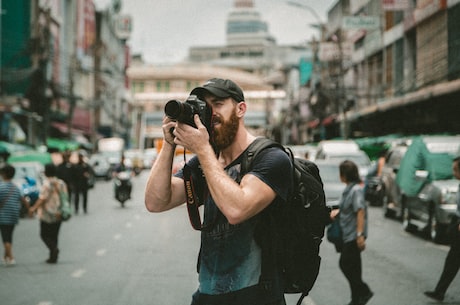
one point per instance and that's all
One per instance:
(329, 173)
(443, 147)
(360, 160)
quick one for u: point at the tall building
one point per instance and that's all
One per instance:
(246, 27)
(250, 46)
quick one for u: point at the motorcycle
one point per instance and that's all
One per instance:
(123, 187)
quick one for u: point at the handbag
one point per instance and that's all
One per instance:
(334, 234)
(64, 205)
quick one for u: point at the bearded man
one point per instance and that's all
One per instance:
(230, 260)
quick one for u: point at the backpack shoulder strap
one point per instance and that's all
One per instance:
(253, 150)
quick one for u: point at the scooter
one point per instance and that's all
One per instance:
(123, 187)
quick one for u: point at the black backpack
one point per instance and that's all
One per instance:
(294, 231)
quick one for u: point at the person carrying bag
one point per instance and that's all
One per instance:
(48, 206)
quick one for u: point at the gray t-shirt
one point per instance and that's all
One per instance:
(351, 201)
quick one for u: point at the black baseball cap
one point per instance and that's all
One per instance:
(221, 88)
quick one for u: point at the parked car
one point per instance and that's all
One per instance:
(327, 146)
(306, 151)
(427, 185)
(391, 199)
(149, 156)
(134, 159)
(330, 175)
(101, 166)
(359, 157)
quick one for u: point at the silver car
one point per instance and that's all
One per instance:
(429, 190)
(330, 175)
(101, 166)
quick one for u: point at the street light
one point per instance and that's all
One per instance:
(340, 81)
(307, 7)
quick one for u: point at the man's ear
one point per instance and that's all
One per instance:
(241, 109)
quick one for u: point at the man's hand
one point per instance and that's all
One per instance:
(190, 137)
(168, 126)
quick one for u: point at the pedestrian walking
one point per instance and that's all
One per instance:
(353, 222)
(47, 206)
(230, 259)
(82, 172)
(66, 172)
(452, 262)
(10, 207)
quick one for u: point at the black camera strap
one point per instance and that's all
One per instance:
(193, 200)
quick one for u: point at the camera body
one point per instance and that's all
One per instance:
(184, 112)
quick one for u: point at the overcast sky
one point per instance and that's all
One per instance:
(163, 30)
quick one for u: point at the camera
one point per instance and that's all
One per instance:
(184, 112)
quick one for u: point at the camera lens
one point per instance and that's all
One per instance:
(173, 109)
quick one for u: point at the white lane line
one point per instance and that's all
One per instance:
(78, 273)
(45, 303)
(137, 216)
(117, 236)
(101, 252)
(128, 225)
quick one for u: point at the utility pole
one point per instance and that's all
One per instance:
(39, 91)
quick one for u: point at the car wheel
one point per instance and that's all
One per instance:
(408, 226)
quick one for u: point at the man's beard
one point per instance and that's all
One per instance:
(225, 134)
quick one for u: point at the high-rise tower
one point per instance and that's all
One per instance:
(246, 27)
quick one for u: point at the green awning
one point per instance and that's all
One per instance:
(6, 147)
(61, 145)
(29, 156)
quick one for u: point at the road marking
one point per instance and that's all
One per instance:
(101, 252)
(137, 216)
(117, 236)
(78, 273)
(129, 225)
(45, 303)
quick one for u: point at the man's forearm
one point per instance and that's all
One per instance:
(158, 191)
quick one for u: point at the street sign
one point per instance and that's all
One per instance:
(360, 22)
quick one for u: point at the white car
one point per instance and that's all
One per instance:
(101, 166)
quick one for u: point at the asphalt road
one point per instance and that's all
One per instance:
(127, 256)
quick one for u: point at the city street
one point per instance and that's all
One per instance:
(127, 256)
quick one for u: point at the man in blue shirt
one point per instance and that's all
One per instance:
(230, 260)
(452, 262)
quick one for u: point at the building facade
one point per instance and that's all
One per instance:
(402, 76)
(153, 86)
(54, 58)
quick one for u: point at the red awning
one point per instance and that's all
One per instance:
(62, 127)
(313, 124)
(328, 120)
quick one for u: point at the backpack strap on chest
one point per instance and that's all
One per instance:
(252, 151)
